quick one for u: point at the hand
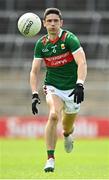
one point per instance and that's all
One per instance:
(78, 93)
(35, 101)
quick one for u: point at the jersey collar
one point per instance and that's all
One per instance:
(60, 33)
(57, 38)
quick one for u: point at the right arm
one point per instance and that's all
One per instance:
(34, 75)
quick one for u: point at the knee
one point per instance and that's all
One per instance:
(53, 116)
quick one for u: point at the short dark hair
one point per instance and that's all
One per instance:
(52, 11)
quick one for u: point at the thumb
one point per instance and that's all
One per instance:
(71, 94)
(38, 100)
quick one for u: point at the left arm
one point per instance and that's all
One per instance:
(78, 92)
(80, 59)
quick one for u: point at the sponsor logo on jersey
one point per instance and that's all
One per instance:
(59, 60)
(45, 50)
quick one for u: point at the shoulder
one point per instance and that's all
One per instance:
(72, 39)
(71, 36)
(72, 42)
(42, 40)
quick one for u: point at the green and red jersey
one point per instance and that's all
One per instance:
(58, 56)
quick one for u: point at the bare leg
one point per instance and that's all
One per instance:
(68, 122)
(55, 105)
(68, 128)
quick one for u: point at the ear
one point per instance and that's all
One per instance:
(44, 23)
(61, 23)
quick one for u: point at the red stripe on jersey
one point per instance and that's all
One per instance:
(59, 60)
(64, 36)
(55, 40)
(44, 40)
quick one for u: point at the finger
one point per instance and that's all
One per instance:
(81, 98)
(78, 100)
(71, 94)
(39, 102)
(75, 98)
(33, 112)
(36, 110)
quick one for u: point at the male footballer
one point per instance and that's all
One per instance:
(66, 71)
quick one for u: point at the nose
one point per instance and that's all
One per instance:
(52, 22)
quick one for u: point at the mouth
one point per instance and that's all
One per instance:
(53, 29)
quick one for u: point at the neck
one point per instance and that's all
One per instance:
(53, 36)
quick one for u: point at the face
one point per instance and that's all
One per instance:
(52, 23)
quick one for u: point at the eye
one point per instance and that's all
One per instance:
(52, 20)
(56, 20)
(49, 20)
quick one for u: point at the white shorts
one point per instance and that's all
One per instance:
(69, 106)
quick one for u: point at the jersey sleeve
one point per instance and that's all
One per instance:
(72, 42)
(37, 50)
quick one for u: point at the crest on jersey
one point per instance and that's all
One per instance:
(62, 46)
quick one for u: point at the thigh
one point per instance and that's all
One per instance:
(71, 107)
(54, 102)
(68, 118)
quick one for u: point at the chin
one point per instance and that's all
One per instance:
(53, 32)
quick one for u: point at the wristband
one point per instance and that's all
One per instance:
(35, 92)
(80, 81)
